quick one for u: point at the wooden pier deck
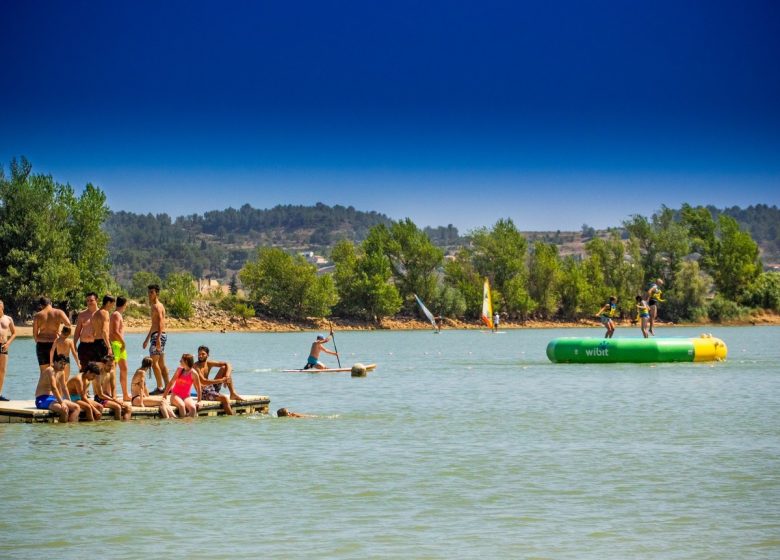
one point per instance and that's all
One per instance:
(25, 411)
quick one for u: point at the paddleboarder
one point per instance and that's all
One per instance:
(314, 354)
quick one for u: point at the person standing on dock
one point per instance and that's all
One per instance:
(116, 334)
(7, 336)
(84, 336)
(157, 338)
(313, 360)
(46, 329)
(100, 326)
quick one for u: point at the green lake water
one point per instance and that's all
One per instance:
(462, 444)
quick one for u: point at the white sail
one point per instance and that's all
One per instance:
(426, 311)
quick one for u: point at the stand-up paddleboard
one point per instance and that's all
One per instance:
(636, 350)
(492, 332)
(369, 367)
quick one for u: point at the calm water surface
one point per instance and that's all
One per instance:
(462, 444)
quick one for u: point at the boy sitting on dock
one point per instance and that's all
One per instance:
(48, 395)
(77, 389)
(211, 387)
(122, 410)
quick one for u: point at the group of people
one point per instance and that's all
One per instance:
(98, 348)
(646, 306)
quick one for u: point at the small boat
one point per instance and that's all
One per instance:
(580, 350)
(369, 367)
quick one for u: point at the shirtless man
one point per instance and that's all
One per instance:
(314, 354)
(211, 387)
(7, 336)
(100, 326)
(116, 334)
(84, 336)
(48, 394)
(158, 338)
(46, 328)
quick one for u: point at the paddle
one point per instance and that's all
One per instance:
(333, 338)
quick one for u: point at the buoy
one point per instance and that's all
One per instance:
(359, 370)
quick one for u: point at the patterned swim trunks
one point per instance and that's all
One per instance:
(153, 343)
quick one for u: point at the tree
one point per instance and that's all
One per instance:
(499, 254)
(287, 286)
(178, 293)
(141, 281)
(363, 281)
(413, 258)
(544, 274)
(735, 259)
(50, 240)
(233, 285)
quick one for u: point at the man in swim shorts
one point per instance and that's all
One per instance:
(100, 326)
(7, 336)
(49, 396)
(210, 387)
(116, 334)
(46, 328)
(313, 361)
(157, 338)
(84, 336)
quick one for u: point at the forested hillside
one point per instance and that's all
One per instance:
(218, 242)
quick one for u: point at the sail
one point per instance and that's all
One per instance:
(426, 311)
(487, 305)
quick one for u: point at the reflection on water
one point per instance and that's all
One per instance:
(458, 444)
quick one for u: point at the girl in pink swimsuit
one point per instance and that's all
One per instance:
(181, 383)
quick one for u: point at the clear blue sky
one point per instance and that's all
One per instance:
(554, 113)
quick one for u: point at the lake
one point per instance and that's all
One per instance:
(460, 444)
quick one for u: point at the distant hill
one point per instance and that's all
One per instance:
(218, 243)
(763, 223)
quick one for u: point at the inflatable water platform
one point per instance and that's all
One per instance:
(706, 348)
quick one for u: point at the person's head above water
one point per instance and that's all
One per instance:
(282, 412)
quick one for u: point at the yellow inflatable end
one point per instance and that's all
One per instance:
(709, 349)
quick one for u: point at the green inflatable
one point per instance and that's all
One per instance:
(638, 350)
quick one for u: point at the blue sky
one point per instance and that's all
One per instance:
(445, 112)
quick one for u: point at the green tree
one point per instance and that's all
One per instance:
(141, 281)
(574, 290)
(735, 259)
(685, 300)
(178, 293)
(499, 254)
(413, 259)
(544, 275)
(287, 286)
(460, 274)
(50, 239)
(363, 280)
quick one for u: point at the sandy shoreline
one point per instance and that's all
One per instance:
(136, 326)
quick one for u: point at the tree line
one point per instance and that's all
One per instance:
(56, 243)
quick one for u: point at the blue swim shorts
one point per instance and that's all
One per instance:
(44, 401)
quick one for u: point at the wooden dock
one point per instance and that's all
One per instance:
(25, 411)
